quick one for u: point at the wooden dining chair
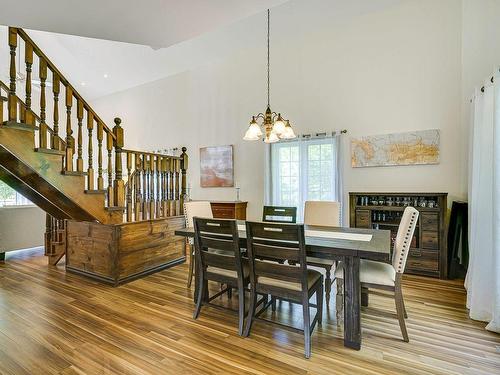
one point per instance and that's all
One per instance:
(279, 214)
(192, 209)
(384, 276)
(326, 214)
(219, 259)
(295, 283)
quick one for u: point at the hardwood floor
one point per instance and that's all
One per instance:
(57, 323)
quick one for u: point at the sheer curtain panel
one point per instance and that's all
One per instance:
(483, 276)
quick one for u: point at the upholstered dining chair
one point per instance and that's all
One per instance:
(219, 259)
(295, 283)
(326, 214)
(192, 209)
(385, 276)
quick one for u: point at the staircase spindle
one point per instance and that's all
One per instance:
(164, 192)
(184, 166)
(90, 169)
(145, 184)
(12, 104)
(109, 147)
(119, 186)
(79, 116)
(152, 202)
(100, 132)
(42, 132)
(158, 186)
(137, 182)
(129, 187)
(177, 187)
(171, 207)
(56, 88)
(70, 140)
(28, 59)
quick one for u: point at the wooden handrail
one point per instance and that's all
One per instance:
(63, 79)
(126, 150)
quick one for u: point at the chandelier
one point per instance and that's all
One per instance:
(269, 124)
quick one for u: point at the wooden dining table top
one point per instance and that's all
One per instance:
(377, 248)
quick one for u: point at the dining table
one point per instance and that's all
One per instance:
(347, 245)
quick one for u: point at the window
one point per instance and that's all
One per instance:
(10, 197)
(303, 170)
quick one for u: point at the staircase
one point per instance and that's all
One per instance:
(75, 171)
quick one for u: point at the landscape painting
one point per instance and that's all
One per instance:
(216, 166)
(418, 147)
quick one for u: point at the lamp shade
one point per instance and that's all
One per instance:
(288, 133)
(279, 125)
(253, 132)
(271, 138)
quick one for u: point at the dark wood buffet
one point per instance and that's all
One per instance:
(428, 253)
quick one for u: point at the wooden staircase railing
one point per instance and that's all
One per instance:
(156, 183)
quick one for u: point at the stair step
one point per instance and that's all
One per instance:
(50, 151)
(20, 126)
(74, 173)
(115, 208)
(95, 191)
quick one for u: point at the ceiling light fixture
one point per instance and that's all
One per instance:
(275, 127)
(106, 75)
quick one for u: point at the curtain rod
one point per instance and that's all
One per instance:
(491, 80)
(323, 134)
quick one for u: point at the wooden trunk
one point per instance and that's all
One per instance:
(229, 210)
(119, 253)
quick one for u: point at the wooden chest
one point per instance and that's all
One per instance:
(229, 210)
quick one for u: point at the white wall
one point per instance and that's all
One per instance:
(21, 227)
(392, 70)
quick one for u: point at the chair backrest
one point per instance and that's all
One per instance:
(217, 244)
(276, 243)
(325, 213)
(403, 238)
(196, 208)
(278, 214)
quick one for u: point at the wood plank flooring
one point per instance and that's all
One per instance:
(52, 322)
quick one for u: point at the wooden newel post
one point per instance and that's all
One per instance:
(184, 166)
(119, 185)
(12, 73)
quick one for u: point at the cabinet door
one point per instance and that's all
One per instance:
(363, 219)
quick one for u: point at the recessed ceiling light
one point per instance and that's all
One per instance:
(83, 83)
(105, 75)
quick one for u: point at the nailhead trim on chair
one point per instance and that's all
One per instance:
(406, 244)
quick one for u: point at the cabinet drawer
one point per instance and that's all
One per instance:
(362, 219)
(429, 221)
(423, 260)
(430, 240)
(223, 212)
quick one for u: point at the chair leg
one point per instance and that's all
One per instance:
(339, 303)
(273, 303)
(398, 298)
(328, 284)
(241, 309)
(191, 264)
(229, 292)
(404, 306)
(307, 326)
(251, 312)
(319, 303)
(202, 290)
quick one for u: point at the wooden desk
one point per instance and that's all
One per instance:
(229, 209)
(350, 252)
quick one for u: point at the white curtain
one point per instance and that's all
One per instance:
(483, 276)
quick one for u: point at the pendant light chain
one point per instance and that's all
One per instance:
(268, 74)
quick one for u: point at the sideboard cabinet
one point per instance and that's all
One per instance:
(428, 249)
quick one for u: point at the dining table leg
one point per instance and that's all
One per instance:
(352, 309)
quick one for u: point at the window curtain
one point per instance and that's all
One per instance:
(306, 168)
(483, 276)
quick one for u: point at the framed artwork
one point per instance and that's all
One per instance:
(216, 166)
(411, 148)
